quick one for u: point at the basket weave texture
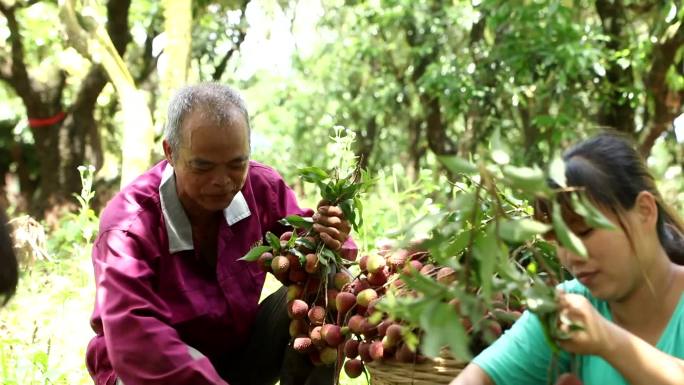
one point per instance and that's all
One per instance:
(433, 371)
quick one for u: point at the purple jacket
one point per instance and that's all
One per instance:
(161, 314)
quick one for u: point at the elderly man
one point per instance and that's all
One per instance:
(173, 303)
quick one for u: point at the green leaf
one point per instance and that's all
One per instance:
(313, 174)
(255, 253)
(567, 238)
(299, 254)
(326, 256)
(347, 207)
(358, 203)
(525, 178)
(488, 252)
(273, 240)
(459, 243)
(427, 286)
(297, 221)
(520, 230)
(328, 193)
(457, 165)
(292, 240)
(591, 214)
(442, 327)
(557, 171)
(303, 242)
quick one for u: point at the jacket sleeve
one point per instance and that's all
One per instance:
(142, 346)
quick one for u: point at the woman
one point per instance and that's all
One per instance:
(627, 295)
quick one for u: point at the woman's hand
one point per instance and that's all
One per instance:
(594, 334)
(330, 224)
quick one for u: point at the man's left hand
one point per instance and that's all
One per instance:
(330, 223)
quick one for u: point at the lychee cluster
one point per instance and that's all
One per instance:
(313, 286)
(375, 336)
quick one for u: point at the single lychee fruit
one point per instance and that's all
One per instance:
(294, 292)
(302, 344)
(394, 334)
(365, 297)
(376, 350)
(411, 267)
(332, 335)
(351, 348)
(363, 263)
(280, 265)
(316, 337)
(375, 263)
(286, 236)
(383, 326)
(328, 355)
(344, 302)
(353, 368)
(397, 259)
(312, 264)
(317, 315)
(264, 262)
(332, 299)
(368, 329)
(446, 275)
(297, 309)
(340, 279)
(358, 285)
(379, 277)
(364, 351)
(427, 269)
(355, 323)
(297, 327)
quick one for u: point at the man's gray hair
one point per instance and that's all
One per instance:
(214, 101)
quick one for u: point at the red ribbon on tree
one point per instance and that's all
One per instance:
(44, 122)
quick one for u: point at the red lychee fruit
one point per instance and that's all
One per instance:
(353, 368)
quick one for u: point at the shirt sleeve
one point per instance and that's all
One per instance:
(521, 356)
(142, 346)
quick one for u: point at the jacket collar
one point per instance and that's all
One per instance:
(177, 223)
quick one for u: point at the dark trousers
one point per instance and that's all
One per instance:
(268, 358)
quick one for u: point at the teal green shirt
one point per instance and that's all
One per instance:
(522, 357)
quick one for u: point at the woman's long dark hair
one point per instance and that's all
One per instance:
(8, 262)
(612, 174)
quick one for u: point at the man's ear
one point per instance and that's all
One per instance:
(646, 207)
(168, 152)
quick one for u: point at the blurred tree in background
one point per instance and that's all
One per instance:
(410, 78)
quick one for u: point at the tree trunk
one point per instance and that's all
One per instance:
(616, 111)
(61, 144)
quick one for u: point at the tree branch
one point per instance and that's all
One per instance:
(667, 102)
(242, 33)
(17, 76)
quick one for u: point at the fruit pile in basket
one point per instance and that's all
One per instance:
(372, 335)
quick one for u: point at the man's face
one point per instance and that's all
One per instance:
(212, 162)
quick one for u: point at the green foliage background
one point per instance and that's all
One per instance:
(411, 79)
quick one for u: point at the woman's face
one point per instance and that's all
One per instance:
(612, 270)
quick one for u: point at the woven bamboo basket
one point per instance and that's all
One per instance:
(433, 371)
